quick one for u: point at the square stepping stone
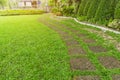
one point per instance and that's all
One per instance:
(88, 40)
(81, 64)
(67, 37)
(109, 62)
(87, 78)
(76, 50)
(116, 77)
(97, 49)
(81, 35)
(72, 42)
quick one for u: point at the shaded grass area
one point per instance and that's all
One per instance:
(72, 27)
(30, 50)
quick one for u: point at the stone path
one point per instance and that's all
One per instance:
(88, 62)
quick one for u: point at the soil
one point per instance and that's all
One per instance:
(81, 35)
(118, 47)
(87, 78)
(72, 42)
(109, 62)
(81, 64)
(97, 49)
(88, 40)
(76, 50)
(116, 77)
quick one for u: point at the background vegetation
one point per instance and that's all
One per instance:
(102, 12)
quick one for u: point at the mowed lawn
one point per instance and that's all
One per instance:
(30, 50)
(46, 47)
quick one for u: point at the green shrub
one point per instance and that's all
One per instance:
(86, 7)
(68, 11)
(93, 8)
(20, 12)
(54, 10)
(117, 11)
(115, 24)
(81, 7)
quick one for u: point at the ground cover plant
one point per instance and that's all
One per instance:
(46, 47)
(20, 12)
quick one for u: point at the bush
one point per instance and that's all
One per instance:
(54, 10)
(68, 11)
(117, 11)
(115, 24)
(20, 12)
(58, 14)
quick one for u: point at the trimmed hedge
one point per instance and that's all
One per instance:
(117, 11)
(20, 12)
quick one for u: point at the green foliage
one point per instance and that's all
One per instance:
(117, 11)
(81, 7)
(102, 10)
(68, 11)
(95, 11)
(77, 4)
(86, 7)
(92, 9)
(54, 10)
(2, 2)
(20, 12)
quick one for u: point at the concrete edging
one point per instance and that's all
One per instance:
(88, 24)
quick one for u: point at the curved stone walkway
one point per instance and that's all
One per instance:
(74, 39)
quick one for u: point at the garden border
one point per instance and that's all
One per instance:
(89, 24)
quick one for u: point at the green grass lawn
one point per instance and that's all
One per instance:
(30, 50)
(34, 47)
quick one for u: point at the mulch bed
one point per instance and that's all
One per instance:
(81, 64)
(87, 78)
(97, 49)
(109, 62)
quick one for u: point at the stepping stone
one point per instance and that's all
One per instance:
(87, 78)
(97, 49)
(116, 77)
(81, 64)
(72, 42)
(88, 40)
(81, 35)
(109, 62)
(118, 47)
(76, 50)
(67, 37)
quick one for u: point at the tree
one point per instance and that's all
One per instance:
(2, 3)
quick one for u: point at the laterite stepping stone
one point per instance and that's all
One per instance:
(72, 42)
(81, 35)
(116, 77)
(88, 40)
(76, 50)
(81, 64)
(109, 62)
(97, 49)
(67, 37)
(87, 78)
